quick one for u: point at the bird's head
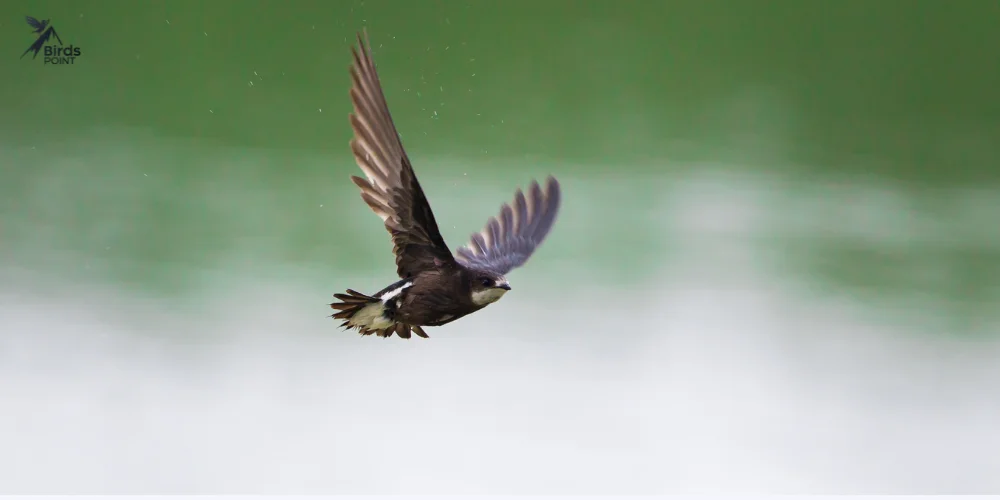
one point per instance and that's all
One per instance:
(487, 288)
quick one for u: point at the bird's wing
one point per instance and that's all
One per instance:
(509, 239)
(34, 23)
(391, 188)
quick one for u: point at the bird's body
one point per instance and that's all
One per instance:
(436, 287)
(432, 298)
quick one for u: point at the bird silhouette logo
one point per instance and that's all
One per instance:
(45, 31)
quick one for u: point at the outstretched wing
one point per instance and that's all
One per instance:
(509, 239)
(391, 188)
(34, 23)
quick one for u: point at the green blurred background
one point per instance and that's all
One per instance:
(192, 135)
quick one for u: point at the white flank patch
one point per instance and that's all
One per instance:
(371, 317)
(391, 294)
(488, 296)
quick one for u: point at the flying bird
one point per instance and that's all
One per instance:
(45, 32)
(435, 287)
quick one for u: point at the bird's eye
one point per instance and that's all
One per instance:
(486, 281)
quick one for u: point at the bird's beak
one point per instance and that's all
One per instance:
(504, 285)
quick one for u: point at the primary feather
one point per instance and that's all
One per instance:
(509, 239)
(392, 191)
(390, 188)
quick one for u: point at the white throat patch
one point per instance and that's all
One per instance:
(487, 296)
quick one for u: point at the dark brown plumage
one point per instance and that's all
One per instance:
(436, 287)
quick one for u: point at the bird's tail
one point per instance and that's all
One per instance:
(352, 303)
